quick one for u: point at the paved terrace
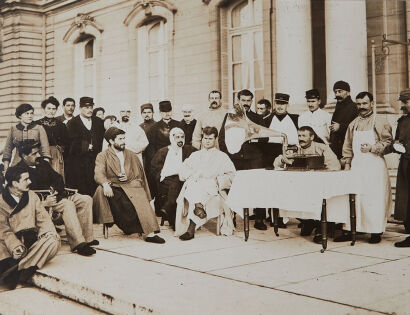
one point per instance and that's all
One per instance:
(222, 275)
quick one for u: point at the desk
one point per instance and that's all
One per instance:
(305, 191)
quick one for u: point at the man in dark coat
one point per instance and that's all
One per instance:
(147, 113)
(188, 123)
(402, 146)
(345, 112)
(68, 108)
(86, 135)
(251, 155)
(165, 168)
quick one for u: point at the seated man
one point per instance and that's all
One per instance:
(123, 195)
(76, 210)
(206, 173)
(28, 238)
(308, 146)
(165, 167)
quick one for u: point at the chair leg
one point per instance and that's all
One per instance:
(162, 221)
(105, 231)
(218, 225)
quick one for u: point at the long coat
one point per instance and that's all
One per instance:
(81, 160)
(107, 166)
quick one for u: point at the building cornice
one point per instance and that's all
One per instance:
(147, 7)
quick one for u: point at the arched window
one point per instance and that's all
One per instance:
(246, 48)
(153, 61)
(85, 66)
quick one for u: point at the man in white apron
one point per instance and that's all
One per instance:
(366, 142)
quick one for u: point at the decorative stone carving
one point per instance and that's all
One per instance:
(149, 6)
(81, 21)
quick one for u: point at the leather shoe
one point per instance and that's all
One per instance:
(307, 228)
(93, 243)
(403, 243)
(155, 239)
(343, 238)
(317, 239)
(375, 238)
(84, 250)
(186, 236)
(260, 226)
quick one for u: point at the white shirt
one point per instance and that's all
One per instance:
(120, 156)
(87, 122)
(17, 199)
(320, 121)
(67, 119)
(173, 163)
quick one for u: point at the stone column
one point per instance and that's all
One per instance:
(294, 49)
(346, 45)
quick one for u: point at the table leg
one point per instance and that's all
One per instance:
(352, 202)
(275, 213)
(324, 226)
(246, 223)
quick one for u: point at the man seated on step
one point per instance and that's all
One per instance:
(123, 196)
(76, 209)
(206, 173)
(28, 238)
(306, 135)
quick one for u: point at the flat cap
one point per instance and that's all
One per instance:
(86, 101)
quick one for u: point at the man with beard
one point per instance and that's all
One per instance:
(188, 123)
(159, 135)
(68, 108)
(402, 146)
(165, 167)
(315, 117)
(213, 117)
(76, 210)
(250, 155)
(86, 135)
(345, 112)
(122, 196)
(147, 114)
(136, 140)
(367, 141)
(206, 174)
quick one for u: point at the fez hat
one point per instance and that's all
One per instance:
(404, 95)
(165, 106)
(282, 98)
(341, 85)
(313, 93)
(112, 132)
(21, 109)
(86, 101)
(147, 106)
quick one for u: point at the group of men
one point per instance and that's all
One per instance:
(187, 168)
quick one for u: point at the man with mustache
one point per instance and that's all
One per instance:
(76, 210)
(147, 114)
(212, 117)
(123, 196)
(345, 112)
(165, 167)
(188, 123)
(68, 108)
(367, 140)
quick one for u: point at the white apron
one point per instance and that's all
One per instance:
(285, 126)
(373, 204)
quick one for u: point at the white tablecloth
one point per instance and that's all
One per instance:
(298, 194)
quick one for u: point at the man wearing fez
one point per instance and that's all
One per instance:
(28, 237)
(250, 155)
(76, 209)
(188, 122)
(315, 117)
(147, 114)
(345, 112)
(68, 110)
(86, 135)
(367, 141)
(212, 117)
(165, 167)
(123, 196)
(402, 146)
(159, 136)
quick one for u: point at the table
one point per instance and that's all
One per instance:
(293, 190)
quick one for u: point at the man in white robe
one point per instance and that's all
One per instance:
(206, 173)
(367, 140)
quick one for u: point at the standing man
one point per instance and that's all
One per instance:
(250, 155)
(315, 117)
(345, 111)
(213, 117)
(264, 109)
(147, 113)
(159, 136)
(367, 141)
(86, 135)
(136, 139)
(188, 123)
(402, 146)
(68, 108)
